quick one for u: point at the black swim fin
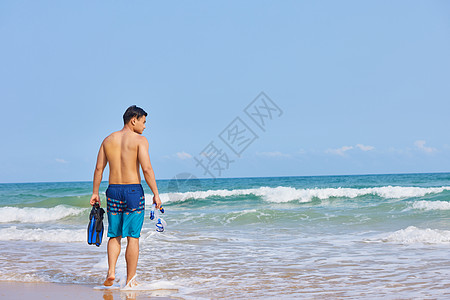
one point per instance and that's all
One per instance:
(95, 227)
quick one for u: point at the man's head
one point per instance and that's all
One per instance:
(135, 117)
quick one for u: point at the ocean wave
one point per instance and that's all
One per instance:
(246, 215)
(286, 194)
(431, 205)
(413, 235)
(43, 235)
(37, 215)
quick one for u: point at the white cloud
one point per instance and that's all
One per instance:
(339, 151)
(273, 154)
(61, 161)
(365, 147)
(420, 144)
(183, 155)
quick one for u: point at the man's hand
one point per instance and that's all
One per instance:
(95, 199)
(157, 201)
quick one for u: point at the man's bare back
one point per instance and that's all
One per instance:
(121, 150)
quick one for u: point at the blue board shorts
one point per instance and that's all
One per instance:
(125, 210)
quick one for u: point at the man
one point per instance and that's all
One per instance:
(125, 150)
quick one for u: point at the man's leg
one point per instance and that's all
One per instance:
(113, 254)
(131, 256)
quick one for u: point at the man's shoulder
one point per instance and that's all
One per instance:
(141, 139)
(135, 138)
(111, 136)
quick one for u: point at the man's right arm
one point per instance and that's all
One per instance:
(147, 169)
(98, 174)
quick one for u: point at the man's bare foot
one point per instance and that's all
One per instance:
(109, 280)
(132, 282)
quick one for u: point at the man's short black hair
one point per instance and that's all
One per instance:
(131, 112)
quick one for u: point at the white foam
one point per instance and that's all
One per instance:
(43, 235)
(286, 194)
(431, 205)
(153, 286)
(160, 288)
(412, 235)
(36, 215)
(22, 277)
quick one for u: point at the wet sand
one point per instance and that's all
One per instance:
(12, 290)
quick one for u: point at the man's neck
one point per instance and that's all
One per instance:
(127, 128)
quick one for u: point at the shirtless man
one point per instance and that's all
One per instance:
(125, 150)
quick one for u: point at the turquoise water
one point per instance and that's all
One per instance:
(373, 236)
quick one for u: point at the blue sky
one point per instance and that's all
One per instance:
(363, 86)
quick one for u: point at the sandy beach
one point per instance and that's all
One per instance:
(22, 290)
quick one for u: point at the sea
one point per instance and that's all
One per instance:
(320, 237)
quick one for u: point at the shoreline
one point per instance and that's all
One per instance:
(13, 290)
